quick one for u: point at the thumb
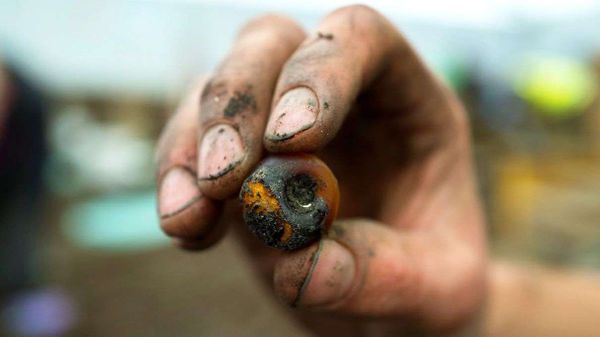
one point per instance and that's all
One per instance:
(362, 267)
(368, 269)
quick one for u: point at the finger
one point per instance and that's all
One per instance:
(185, 212)
(355, 48)
(368, 269)
(206, 241)
(236, 102)
(333, 270)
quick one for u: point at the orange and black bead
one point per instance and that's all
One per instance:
(290, 201)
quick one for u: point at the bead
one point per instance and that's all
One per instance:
(290, 201)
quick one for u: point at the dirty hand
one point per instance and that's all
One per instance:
(407, 255)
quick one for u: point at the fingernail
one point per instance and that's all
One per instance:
(331, 277)
(296, 111)
(221, 150)
(316, 276)
(177, 191)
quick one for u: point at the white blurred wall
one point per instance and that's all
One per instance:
(154, 48)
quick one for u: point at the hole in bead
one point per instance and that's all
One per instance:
(300, 192)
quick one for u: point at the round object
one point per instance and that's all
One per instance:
(557, 87)
(289, 201)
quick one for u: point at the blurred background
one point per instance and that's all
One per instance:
(87, 87)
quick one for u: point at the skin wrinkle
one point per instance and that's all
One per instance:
(182, 156)
(215, 87)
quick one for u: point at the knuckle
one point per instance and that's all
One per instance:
(216, 92)
(365, 24)
(404, 278)
(359, 10)
(270, 22)
(268, 19)
(360, 14)
(229, 95)
(216, 86)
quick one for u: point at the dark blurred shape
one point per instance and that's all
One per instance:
(26, 309)
(22, 155)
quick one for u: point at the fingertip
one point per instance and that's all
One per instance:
(192, 245)
(177, 191)
(223, 161)
(302, 121)
(295, 112)
(184, 211)
(292, 270)
(188, 244)
(331, 278)
(194, 221)
(325, 277)
(201, 235)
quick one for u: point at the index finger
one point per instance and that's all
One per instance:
(356, 50)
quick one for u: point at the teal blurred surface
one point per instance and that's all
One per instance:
(116, 222)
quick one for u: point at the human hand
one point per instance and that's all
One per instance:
(407, 255)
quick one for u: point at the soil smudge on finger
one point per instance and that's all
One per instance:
(239, 102)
